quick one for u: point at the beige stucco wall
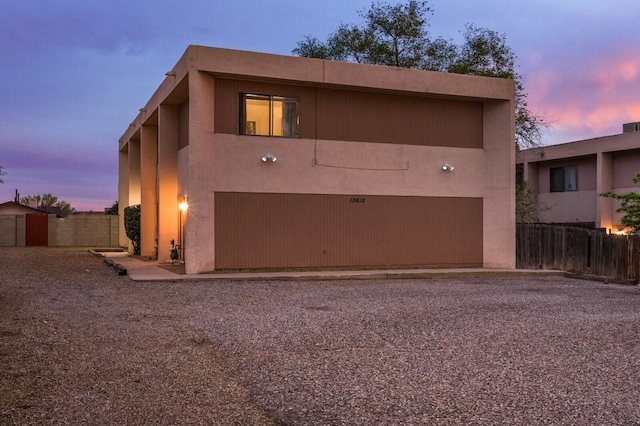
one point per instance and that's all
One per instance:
(499, 184)
(627, 165)
(571, 206)
(336, 167)
(202, 162)
(219, 162)
(148, 190)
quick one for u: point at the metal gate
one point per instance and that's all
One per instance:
(37, 230)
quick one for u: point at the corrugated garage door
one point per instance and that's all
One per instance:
(257, 230)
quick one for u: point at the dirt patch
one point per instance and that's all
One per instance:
(82, 345)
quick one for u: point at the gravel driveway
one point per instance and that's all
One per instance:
(81, 345)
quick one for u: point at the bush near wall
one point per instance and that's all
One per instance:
(132, 226)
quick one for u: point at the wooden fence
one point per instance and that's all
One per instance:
(580, 251)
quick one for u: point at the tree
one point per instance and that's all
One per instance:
(526, 202)
(49, 203)
(27, 199)
(629, 205)
(486, 53)
(113, 210)
(397, 36)
(48, 200)
(391, 35)
(2, 173)
(65, 208)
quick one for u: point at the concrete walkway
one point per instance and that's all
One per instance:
(140, 270)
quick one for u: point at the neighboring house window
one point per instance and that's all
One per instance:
(564, 179)
(267, 115)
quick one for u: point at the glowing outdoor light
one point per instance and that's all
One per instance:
(183, 205)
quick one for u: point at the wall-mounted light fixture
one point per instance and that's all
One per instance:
(183, 205)
(142, 110)
(170, 73)
(447, 167)
(268, 157)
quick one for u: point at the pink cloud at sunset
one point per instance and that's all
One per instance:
(586, 96)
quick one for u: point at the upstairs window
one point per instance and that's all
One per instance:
(563, 179)
(267, 115)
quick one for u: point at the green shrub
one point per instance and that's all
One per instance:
(132, 226)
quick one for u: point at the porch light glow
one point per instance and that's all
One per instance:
(183, 205)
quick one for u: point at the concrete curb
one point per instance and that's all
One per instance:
(139, 270)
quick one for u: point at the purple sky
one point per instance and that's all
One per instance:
(75, 72)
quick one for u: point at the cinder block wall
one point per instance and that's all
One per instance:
(8, 230)
(84, 231)
(74, 231)
(115, 234)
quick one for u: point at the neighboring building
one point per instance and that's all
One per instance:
(567, 178)
(361, 177)
(22, 225)
(13, 207)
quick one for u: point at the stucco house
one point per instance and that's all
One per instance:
(14, 207)
(567, 178)
(252, 161)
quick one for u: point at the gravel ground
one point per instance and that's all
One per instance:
(82, 345)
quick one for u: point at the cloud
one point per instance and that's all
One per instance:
(61, 160)
(104, 26)
(594, 94)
